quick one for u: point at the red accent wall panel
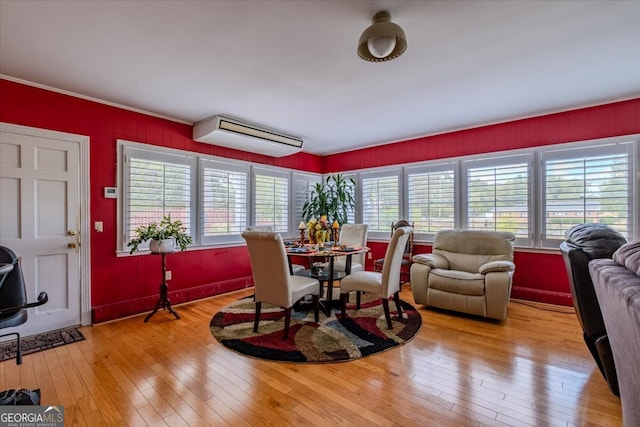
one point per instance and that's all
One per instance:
(127, 285)
(120, 285)
(620, 118)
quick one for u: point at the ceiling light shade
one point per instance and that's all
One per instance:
(383, 40)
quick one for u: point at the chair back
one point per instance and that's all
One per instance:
(270, 267)
(259, 228)
(13, 292)
(354, 234)
(408, 249)
(467, 250)
(582, 244)
(393, 260)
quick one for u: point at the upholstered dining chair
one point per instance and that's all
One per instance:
(271, 279)
(385, 284)
(13, 296)
(351, 235)
(295, 268)
(407, 255)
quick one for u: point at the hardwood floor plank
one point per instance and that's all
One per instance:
(531, 369)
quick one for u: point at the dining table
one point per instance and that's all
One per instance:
(329, 276)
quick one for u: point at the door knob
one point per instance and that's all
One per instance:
(72, 245)
(72, 233)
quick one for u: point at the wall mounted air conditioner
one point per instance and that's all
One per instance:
(232, 133)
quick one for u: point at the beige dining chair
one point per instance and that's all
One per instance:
(271, 279)
(385, 284)
(295, 268)
(351, 235)
(406, 258)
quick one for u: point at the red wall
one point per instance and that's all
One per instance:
(129, 285)
(122, 286)
(539, 276)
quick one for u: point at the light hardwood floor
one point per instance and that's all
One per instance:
(533, 369)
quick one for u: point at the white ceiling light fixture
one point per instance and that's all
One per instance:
(382, 40)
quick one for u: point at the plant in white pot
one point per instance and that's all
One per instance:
(164, 236)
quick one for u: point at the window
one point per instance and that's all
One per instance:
(431, 198)
(351, 213)
(224, 201)
(536, 193)
(497, 195)
(157, 184)
(271, 199)
(380, 201)
(583, 185)
(302, 184)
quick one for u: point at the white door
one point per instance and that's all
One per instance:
(40, 220)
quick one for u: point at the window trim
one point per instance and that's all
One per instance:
(617, 146)
(203, 163)
(496, 161)
(433, 168)
(377, 174)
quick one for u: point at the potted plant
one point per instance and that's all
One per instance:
(333, 199)
(163, 236)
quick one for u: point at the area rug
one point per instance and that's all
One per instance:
(40, 342)
(334, 339)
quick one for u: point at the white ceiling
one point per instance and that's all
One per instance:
(292, 65)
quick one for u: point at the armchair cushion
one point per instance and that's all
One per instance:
(432, 260)
(497, 266)
(457, 282)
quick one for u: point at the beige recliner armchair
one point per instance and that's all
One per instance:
(468, 271)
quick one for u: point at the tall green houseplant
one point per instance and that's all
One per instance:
(334, 198)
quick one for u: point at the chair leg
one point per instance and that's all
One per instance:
(18, 352)
(287, 321)
(343, 303)
(387, 314)
(255, 323)
(316, 308)
(358, 294)
(396, 297)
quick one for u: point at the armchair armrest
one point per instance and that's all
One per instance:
(432, 260)
(497, 266)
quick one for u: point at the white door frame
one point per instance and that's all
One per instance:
(85, 202)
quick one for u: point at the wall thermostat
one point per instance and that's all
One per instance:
(110, 192)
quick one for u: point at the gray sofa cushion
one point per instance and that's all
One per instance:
(628, 255)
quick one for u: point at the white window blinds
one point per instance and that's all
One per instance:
(271, 189)
(224, 201)
(380, 201)
(158, 184)
(431, 198)
(302, 184)
(497, 196)
(586, 186)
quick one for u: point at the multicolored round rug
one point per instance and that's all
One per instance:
(334, 339)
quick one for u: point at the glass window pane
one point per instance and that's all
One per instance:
(498, 198)
(156, 188)
(431, 197)
(380, 202)
(224, 202)
(592, 189)
(272, 202)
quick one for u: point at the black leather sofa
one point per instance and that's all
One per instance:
(582, 244)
